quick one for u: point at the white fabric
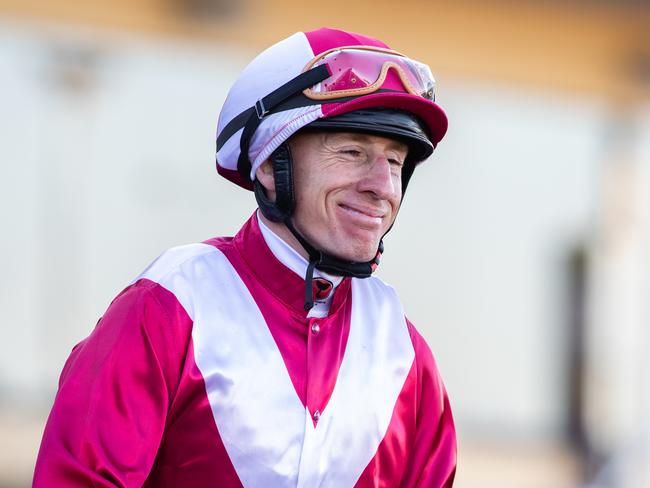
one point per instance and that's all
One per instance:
(378, 357)
(288, 256)
(254, 403)
(267, 432)
(269, 70)
(277, 128)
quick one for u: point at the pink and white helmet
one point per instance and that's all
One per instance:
(312, 76)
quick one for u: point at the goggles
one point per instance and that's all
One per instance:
(358, 70)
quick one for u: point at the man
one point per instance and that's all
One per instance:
(273, 359)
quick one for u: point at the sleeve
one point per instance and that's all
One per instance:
(109, 413)
(432, 463)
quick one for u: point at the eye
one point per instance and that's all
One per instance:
(351, 153)
(396, 163)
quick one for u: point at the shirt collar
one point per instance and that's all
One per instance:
(288, 256)
(284, 283)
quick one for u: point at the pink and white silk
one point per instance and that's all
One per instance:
(207, 372)
(281, 63)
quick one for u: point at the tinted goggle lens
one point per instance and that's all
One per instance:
(357, 71)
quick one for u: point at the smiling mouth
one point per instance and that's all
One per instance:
(364, 214)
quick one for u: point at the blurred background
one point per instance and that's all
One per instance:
(521, 251)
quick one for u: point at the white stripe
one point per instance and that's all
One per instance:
(378, 357)
(266, 430)
(277, 128)
(257, 412)
(268, 71)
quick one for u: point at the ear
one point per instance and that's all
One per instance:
(264, 175)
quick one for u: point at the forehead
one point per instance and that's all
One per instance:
(333, 139)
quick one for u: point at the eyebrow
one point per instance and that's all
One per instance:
(360, 136)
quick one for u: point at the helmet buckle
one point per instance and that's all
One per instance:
(260, 109)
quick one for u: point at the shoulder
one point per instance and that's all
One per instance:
(427, 368)
(376, 289)
(188, 265)
(422, 349)
(192, 274)
(379, 283)
(379, 290)
(176, 260)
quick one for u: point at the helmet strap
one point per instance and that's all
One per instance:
(330, 264)
(269, 104)
(282, 210)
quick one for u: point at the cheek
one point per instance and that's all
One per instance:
(396, 196)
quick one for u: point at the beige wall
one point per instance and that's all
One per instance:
(594, 49)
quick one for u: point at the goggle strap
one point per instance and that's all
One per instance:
(267, 104)
(297, 101)
(240, 120)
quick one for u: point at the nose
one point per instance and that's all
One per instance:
(379, 180)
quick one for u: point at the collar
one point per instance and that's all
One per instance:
(282, 270)
(288, 256)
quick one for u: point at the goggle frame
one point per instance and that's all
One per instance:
(429, 94)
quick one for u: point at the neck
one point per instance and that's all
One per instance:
(285, 234)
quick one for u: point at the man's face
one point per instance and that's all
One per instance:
(348, 190)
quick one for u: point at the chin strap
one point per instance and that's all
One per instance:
(281, 211)
(330, 264)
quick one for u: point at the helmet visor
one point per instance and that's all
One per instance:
(360, 70)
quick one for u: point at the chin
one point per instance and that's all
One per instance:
(357, 255)
(364, 252)
(358, 247)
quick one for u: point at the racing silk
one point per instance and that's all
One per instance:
(296, 263)
(207, 371)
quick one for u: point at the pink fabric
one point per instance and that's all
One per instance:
(235, 176)
(284, 61)
(132, 408)
(324, 39)
(279, 293)
(423, 416)
(433, 457)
